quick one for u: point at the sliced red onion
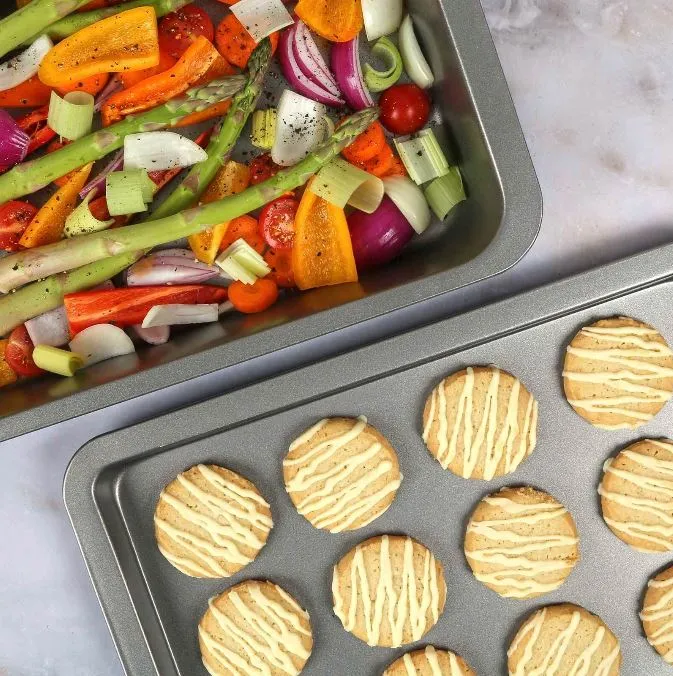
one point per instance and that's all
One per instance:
(345, 61)
(311, 61)
(114, 85)
(97, 185)
(154, 335)
(13, 141)
(170, 266)
(50, 328)
(295, 75)
(107, 285)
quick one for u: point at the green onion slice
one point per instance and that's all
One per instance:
(340, 183)
(81, 221)
(422, 156)
(380, 80)
(128, 192)
(242, 263)
(445, 192)
(264, 128)
(56, 360)
(72, 116)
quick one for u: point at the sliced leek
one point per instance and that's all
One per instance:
(422, 157)
(264, 128)
(380, 80)
(242, 263)
(445, 192)
(71, 116)
(81, 221)
(56, 360)
(128, 192)
(340, 183)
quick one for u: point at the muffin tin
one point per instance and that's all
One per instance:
(112, 484)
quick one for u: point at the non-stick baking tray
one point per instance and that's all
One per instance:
(112, 484)
(484, 236)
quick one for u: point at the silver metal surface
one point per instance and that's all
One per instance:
(112, 484)
(484, 236)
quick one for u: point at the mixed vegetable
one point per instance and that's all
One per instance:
(339, 182)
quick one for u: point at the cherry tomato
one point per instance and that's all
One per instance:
(276, 222)
(178, 30)
(280, 262)
(19, 353)
(405, 108)
(262, 168)
(14, 219)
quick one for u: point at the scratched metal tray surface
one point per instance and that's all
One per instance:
(112, 484)
(485, 235)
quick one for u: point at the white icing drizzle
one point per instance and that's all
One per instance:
(394, 596)
(495, 442)
(630, 381)
(264, 632)
(334, 499)
(229, 519)
(660, 612)
(515, 573)
(430, 657)
(652, 495)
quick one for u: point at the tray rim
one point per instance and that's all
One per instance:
(511, 315)
(520, 225)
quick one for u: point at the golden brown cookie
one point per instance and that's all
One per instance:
(211, 522)
(637, 495)
(618, 373)
(341, 474)
(369, 583)
(480, 422)
(657, 613)
(565, 640)
(521, 543)
(255, 627)
(429, 661)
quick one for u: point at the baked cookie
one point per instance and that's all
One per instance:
(480, 422)
(255, 627)
(389, 590)
(565, 640)
(341, 474)
(657, 614)
(637, 495)
(211, 522)
(618, 373)
(429, 662)
(521, 543)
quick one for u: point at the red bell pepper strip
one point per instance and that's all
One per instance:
(35, 125)
(125, 307)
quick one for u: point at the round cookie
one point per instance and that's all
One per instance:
(255, 627)
(370, 581)
(637, 495)
(211, 522)
(480, 422)
(618, 373)
(341, 474)
(429, 662)
(521, 543)
(567, 636)
(657, 614)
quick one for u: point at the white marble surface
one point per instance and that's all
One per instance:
(593, 84)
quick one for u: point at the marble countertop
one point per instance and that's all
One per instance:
(592, 82)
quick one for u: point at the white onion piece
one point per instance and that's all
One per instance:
(382, 17)
(261, 17)
(412, 57)
(100, 342)
(180, 313)
(159, 150)
(299, 128)
(410, 200)
(225, 307)
(50, 328)
(23, 66)
(155, 335)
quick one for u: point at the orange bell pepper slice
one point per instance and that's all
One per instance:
(216, 110)
(7, 374)
(126, 41)
(133, 77)
(33, 92)
(322, 254)
(231, 179)
(200, 59)
(47, 226)
(334, 20)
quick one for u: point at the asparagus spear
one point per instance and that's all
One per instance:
(31, 176)
(27, 266)
(219, 148)
(32, 19)
(75, 22)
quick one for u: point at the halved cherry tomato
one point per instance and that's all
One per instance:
(251, 298)
(280, 262)
(35, 125)
(19, 353)
(14, 219)
(276, 222)
(99, 210)
(246, 228)
(263, 168)
(405, 108)
(178, 30)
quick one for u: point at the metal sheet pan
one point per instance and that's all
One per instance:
(112, 484)
(485, 236)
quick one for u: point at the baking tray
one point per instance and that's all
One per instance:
(484, 236)
(112, 484)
